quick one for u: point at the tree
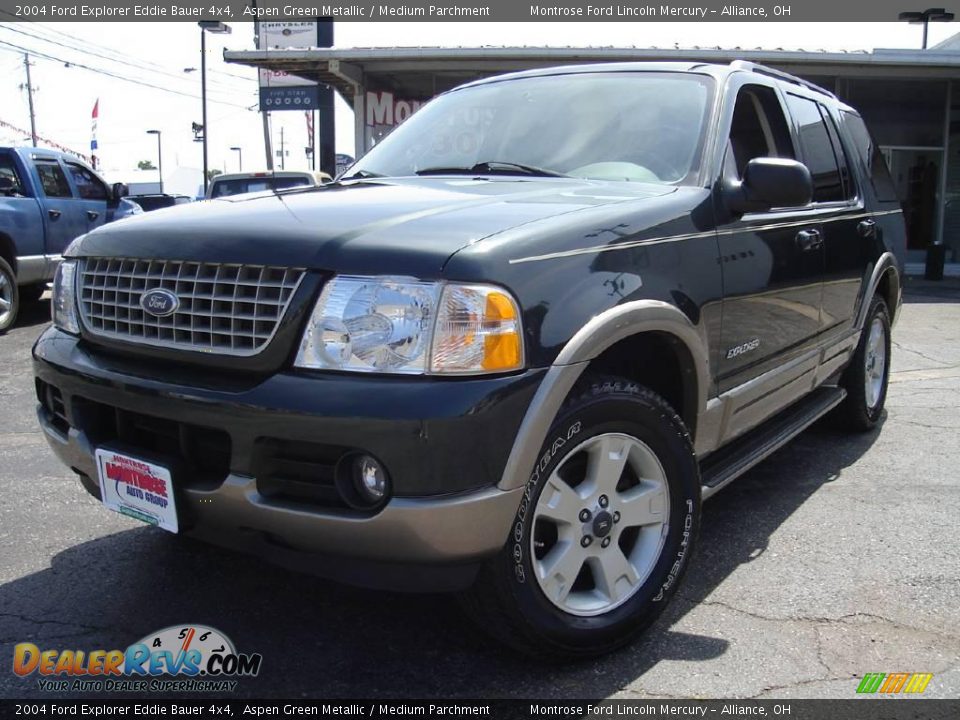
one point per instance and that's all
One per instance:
(212, 173)
(146, 165)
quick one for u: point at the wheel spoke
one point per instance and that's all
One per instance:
(559, 502)
(4, 304)
(613, 574)
(559, 569)
(607, 460)
(643, 505)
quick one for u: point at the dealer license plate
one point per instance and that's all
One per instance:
(137, 488)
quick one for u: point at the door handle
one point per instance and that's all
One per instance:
(809, 240)
(54, 213)
(92, 215)
(867, 229)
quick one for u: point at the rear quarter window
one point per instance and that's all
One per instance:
(870, 157)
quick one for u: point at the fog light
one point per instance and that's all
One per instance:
(369, 478)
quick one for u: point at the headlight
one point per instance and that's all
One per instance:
(400, 325)
(64, 299)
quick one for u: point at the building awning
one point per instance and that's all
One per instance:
(425, 71)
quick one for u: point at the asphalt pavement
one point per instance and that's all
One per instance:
(835, 557)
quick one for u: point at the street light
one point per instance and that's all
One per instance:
(925, 18)
(159, 156)
(211, 26)
(239, 152)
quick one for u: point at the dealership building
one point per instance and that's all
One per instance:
(909, 98)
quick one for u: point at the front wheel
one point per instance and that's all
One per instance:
(9, 296)
(605, 529)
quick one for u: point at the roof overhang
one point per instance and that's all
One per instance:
(350, 70)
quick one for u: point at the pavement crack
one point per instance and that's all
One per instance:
(939, 361)
(34, 621)
(821, 620)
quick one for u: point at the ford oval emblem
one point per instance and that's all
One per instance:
(159, 302)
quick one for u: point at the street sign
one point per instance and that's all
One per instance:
(304, 97)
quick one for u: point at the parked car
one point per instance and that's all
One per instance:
(158, 201)
(504, 356)
(240, 183)
(47, 198)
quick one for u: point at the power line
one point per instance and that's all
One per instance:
(223, 88)
(120, 55)
(116, 76)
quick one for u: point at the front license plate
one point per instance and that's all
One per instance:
(137, 488)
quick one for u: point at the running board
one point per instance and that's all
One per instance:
(730, 462)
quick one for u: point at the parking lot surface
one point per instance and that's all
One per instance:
(835, 557)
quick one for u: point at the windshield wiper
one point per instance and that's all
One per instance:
(493, 167)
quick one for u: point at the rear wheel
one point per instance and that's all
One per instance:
(867, 376)
(9, 296)
(604, 531)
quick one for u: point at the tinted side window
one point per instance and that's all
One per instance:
(817, 150)
(758, 128)
(871, 156)
(52, 179)
(10, 182)
(88, 184)
(847, 177)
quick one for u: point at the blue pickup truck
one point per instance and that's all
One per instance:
(47, 198)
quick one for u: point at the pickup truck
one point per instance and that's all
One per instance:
(47, 198)
(508, 353)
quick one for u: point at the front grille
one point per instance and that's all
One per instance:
(201, 455)
(224, 308)
(51, 399)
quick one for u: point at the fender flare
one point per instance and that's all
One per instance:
(885, 263)
(599, 334)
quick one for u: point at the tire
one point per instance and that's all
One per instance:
(32, 293)
(603, 595)
(862, 408)
(9, 297)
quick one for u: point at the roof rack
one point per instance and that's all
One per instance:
(780, 75)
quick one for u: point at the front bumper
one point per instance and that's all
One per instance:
(444, 443)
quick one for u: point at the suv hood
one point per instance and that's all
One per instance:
(408, 226)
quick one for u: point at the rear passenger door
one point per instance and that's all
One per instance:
(772, 261)
(840, 209)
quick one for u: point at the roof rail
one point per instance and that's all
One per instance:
(780, 75)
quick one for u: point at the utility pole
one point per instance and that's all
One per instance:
(283, 165)
(267, 140)
(33, 120)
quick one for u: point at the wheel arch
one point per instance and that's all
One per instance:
(654, 329)
(8, 251)
(885, 279)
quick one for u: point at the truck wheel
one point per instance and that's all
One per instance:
(9, 296)
(605, 529)
(866, 378)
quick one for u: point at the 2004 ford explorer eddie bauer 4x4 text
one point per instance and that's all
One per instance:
(507, 354)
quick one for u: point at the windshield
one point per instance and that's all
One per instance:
(642, 127)
(239, 186)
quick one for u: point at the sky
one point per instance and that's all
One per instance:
(145, 80)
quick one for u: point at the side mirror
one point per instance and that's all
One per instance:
(6, 185)
(120, 191)
(771, 183)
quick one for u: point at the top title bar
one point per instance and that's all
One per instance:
(457, 10)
